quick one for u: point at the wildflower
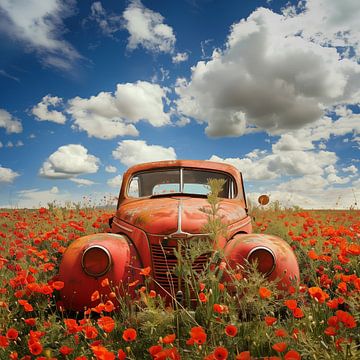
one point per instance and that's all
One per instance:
(221, 353)
(30, 321)
(290, 304)
(35, 347)
(202, 297)
(279, 347)
(102, 353)
(298, 313)
(4, 342)
(65, 350)
(330, 331)
(95, 295)
(169, 339)
(105, 282)
(153, 350)
(152, 293)
(90, 332)
(129, 334)
(231, 330)
(121, 354)
(318, 294)
(347, 319)
(197, 335)
(107, 323)
(146, 271)
(292, 355)
(220, 309)
(244, 355)
(264, 293)
(269, 320)
(12, 334)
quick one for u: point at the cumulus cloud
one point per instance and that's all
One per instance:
(131, 152)
(11, 124)
(250, 85)
(180, 57)
(110, 169)
(7, 175)
(39, 26)
(68, 161)
(115, 182)
(351, 169)
(42, 112)
(108, 115)
(147, 29)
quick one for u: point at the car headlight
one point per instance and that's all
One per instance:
(96, 260)
(265, 259)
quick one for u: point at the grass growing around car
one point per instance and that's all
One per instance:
(317, 320)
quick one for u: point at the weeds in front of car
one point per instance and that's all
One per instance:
(214, 318)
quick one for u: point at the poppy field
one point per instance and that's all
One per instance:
(248, 319)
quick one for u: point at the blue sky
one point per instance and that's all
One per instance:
(89, 88)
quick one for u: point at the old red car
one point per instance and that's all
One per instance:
(161, 204)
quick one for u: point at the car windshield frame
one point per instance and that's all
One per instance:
(232, 188)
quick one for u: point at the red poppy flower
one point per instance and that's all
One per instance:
(298, 313)
(264, 293)
(202, 297)
(292, 355)
(169, 339)
(105, 282)
(107, 323)
(318, 294)
(121, 354)
(4, 342)
(221, 353)
(129, 334)
(280, 333)
(35, 347)
(30, 321)
(57, 285)
(65, 350)
(244, 355)
(90, 332)
(12, 334)
(290, 304)
(280, 347)
(231, 330)
(198, 335)
(269, 320)
(152, 293)
(153, 350)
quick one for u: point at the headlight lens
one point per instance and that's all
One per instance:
(96, 260)
(264, 258)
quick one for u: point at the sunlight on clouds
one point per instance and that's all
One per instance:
(42, 112)
(107, 116)
(39, 25)
(11, 124)
(69, 161)
(7, 175)
(251, 85)
(115, 182)
(132, 152)
(147, 29)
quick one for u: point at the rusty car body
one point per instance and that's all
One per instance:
(160, 204)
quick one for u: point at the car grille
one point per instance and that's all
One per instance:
(164, 263)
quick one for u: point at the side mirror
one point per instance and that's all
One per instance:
(263, 199)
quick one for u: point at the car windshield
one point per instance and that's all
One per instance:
(175, 181)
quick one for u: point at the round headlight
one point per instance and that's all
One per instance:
(264, 258)
(96, 260)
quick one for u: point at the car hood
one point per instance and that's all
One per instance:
(173, 214)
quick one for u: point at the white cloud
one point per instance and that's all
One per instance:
(68, 161)
(251, 85)
(82, 182)
(42, 112)
(39, 25)
(115, 182)
(351, 169)
(11, 124)
(288, 142)
(7, 175)
(180, 57)
(110, 169)
(108, 23)
(147, 29)
(132, 152)
(107, 116)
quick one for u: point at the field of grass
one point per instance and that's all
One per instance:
(317, 320)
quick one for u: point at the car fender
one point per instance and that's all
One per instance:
(286, 267)
(79, 286)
